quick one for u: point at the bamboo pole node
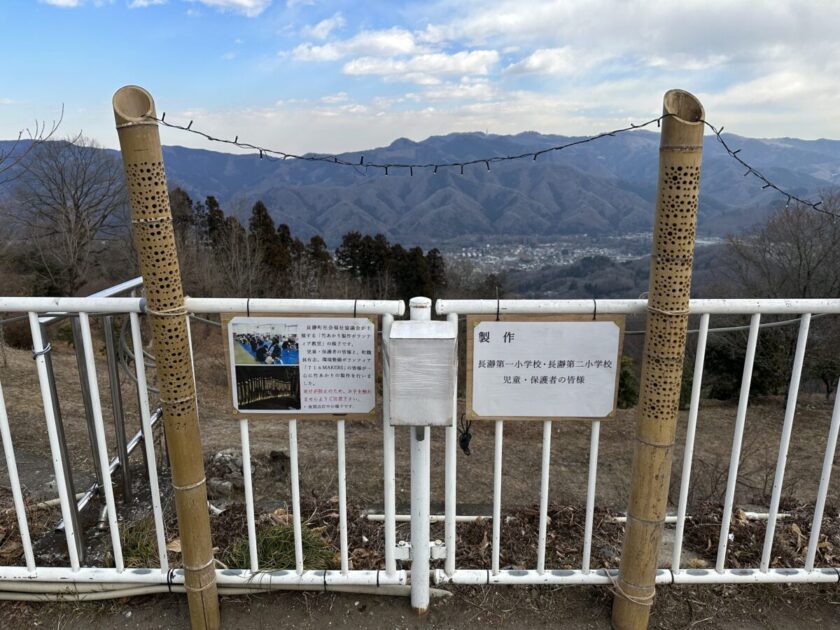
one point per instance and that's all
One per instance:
(139, 123)
(152, 220)
(191, 485)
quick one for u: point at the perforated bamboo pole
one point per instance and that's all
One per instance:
(680, 152)
(155, 241)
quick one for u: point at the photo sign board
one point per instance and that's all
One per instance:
(542, 368)
(305, 366)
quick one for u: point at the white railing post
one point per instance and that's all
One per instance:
(388, 456)
(421, 309)
(450, 475)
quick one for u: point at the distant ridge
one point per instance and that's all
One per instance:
(606, 187)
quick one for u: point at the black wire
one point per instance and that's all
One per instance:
(276, 154)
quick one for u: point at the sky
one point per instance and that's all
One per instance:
(331, 76)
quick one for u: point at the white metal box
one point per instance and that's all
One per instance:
(423, 367)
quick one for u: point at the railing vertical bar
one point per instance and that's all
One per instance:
(388, 457)
(14, 482)
(740, 419)
(80, 364)
(62, 444)
(293, 465)
(497, 495)
(342, 497)
(784, 441)
(55, 448)
(546, 465)
(117, 406)
(249, 494)
(825, 478)
(592, 478)
(148, 440)
(690, 431)
(99, 423)
(450, 475)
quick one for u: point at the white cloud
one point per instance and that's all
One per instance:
(393, 41)
(557, 61)
(6, 101)
(340, 97)
(142, 4)
(426, 68)
(323, 28)
(295, 3)
(72, 4)
(468, 89)
(249, 8)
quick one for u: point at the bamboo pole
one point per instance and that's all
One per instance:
(680, 153)
(155, 241)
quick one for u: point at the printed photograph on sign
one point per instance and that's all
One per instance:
(302, 365)
(544, 369)
(265, 344)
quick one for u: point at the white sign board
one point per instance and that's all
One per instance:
(545, 369)
(302, 365)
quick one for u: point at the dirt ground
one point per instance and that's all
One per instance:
(578, 607)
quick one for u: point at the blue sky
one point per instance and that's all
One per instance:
(308, 75)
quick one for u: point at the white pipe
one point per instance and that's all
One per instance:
(740, 419)
(14, 482)
(52, 433)
(63, 305)
(394, 590)
(690, 431)
(497, 495)
(450, 472)
(433, 518)
(590, 494)
(293, 465)
(420, 497)
(529, 576)
(673, 518)
(102, 448)
(546, 466)
(663, 576)
(784, 441)
(148, 441)
(388, 455)
(420, 453)
(249, 495)
(822, 491)
(342, 497)
(616, 307)
(224, 577)
(270, 305)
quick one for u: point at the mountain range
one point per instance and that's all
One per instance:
(603, 187)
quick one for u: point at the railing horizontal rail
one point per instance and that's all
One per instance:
(114, 291)
(631, 307)
(663, 576)
(58, 306)
(267, 305)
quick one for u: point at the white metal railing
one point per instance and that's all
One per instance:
(250, 577)
(124, 580)
(675, 574)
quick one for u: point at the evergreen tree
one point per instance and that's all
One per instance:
(215, 221)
